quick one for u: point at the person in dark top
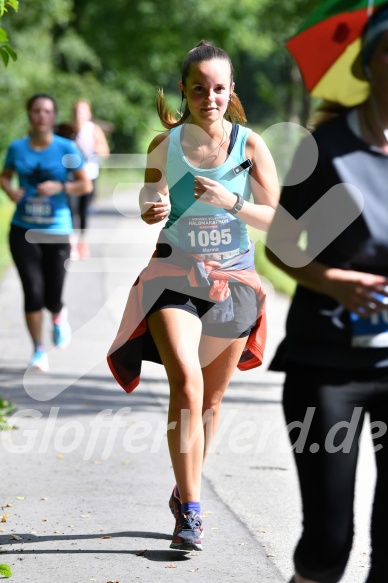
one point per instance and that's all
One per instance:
(335, 353)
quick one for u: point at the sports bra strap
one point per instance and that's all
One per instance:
(233, 137)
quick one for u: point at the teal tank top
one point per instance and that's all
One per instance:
(209, 233)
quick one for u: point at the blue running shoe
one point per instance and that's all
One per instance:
(188, 532)
(175, 503)
(62, 331)
(39, 361)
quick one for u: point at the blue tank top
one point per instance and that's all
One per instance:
(199, 229)
(51, 214)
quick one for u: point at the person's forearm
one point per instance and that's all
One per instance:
(148, 194)
(5, 184)
(312, 274)
(77, 187)
(258, 216)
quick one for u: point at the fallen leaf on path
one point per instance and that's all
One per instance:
(141, 553)
(15, 537)
(193, 570)
(170, 566)
(7, 506)
(108, 536)
(61, 456)
(3, 519)
(44, 498)
(5, 570)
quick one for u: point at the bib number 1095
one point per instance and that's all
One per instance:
(214, 237)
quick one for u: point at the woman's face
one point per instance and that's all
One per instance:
(82, 111)
(378, 64)
(207, 90)
(42, 115)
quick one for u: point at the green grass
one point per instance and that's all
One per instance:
(6, 408)
(6, 211)
(280, 280)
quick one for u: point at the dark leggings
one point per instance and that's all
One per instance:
(41, 268)
(327, 476)
(79, 208)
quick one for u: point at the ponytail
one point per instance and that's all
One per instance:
(235, 112)
(324, 112)
(165, 113)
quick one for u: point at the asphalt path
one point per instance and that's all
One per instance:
(86, 474)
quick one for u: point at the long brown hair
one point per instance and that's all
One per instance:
(324, 112)
(204, 51)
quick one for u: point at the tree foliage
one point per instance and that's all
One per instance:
(116, 54)
(6, 52)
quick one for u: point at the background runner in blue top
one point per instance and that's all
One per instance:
(40, 228)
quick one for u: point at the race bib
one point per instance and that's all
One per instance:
(371, 332)
(213, 237)
(37, 211)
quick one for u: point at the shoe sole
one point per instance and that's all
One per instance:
(186, 546)
(38, 369)
(63, 345)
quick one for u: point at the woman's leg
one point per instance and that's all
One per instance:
(379, 533)
(326, 459)
(221, 356)
(84, 203)
(54, 273)
(28, 260)
(177, 336)
(34, 321)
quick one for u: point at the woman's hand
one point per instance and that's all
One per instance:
(49, 188)
(213, 193)
(154, 212)
(356, 290)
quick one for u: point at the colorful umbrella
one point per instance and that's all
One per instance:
(326, 47)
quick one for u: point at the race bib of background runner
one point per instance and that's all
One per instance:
(37, 211)
(215, 237)
(371, 332)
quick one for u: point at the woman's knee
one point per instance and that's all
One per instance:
(186, 392)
